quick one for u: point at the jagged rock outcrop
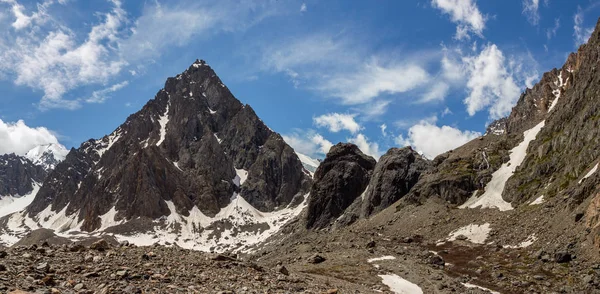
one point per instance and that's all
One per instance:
(339, 180)
(395, 174)
(194, 146)
(18, 174)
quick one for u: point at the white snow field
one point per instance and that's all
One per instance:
(492, 197)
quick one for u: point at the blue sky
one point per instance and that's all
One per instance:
(430, 74)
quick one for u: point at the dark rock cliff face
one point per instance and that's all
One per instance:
(395, 174)
(183, 146)
(339, 180)
(17, 175)
(567, 147)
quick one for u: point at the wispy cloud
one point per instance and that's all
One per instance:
(465, 14)
(46, 55)
(581, 34)
(101, 95)
(551, 32)
(531, 11)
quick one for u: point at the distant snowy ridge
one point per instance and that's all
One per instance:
(48, 155)
(310, 164)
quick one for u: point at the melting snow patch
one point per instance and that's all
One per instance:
(532, 238)
(468, 285)
(399, 285)
(474, 233)
(176, 164)
(492, 198)
(590, 173)
(163, 120)
(241, 176)
(112, 139)
(210, 110)
(388, 257)
(11, 204)
(537, 201)
(108, 219)
(218, 140)
(560, 84)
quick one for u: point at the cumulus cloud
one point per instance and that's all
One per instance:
(19, 138)
(308, 142)
(336, 122)
(490, 84)
(465, 14)
(431, 140)
(369, 148)
(530, 10)
(581, 34)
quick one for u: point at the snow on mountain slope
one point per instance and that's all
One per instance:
(13, 203)
(309, 163)
(47, 156)
(492, 197)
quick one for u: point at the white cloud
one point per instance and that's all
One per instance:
(373, 110)
(374, 80)
(336, 122)
(552, 32)
(303, 7)
(490, 84)
(530, 9)
(19, 138)
(580, 33)
(446, 111)
(437, 92)
(308, 142)
(431, 140)
(45, 54)
(56, 63)
(404, 124)
(383, 127)
(101, 95)
(465, 14)
(369, 148)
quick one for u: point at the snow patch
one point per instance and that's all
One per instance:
(241, 176)
(108, 219)
(469, 285)
(13, 203)
(528, 242)
(218, 140)
(111, 140)
(475, 233)
(560, 84)
(590, 173)
(492, 197)
(47, 155)
(210, 110)
(163, 120)
(388, 257)
(176, 164)
(537, 201)
(399, 285)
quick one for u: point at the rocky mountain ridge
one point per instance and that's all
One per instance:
(194, 167)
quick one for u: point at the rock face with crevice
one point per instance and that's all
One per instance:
(18, 174)
(339, 180)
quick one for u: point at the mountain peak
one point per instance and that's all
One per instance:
(47, 155)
